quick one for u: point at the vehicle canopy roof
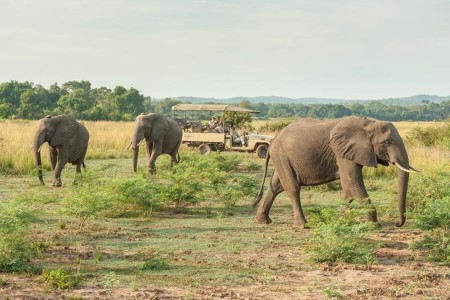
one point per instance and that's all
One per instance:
(212, 107)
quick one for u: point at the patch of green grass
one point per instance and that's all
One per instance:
(436, 243)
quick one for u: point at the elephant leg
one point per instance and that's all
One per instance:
(353, 186)
(63, 157)
(78, 166)
(274, 188)
(155, 153)
(53, 157)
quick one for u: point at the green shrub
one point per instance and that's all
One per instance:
(179, 187)
(110, 281)
(274, 126)
(435, 214)
(437, 245)
(60, 279)
(155, 263)
(430, 197)
(425, 187)
(16, 245)
(432, 136)
(88, 202)
(136, 194)
(337, 242)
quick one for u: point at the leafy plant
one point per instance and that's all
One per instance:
(110, 281)
(155, 263)
(338, 242)
(437, 245)
(426, 187)
(435, 214)
(88, 202)
(431, 136)
(60, 279)
(16, 245)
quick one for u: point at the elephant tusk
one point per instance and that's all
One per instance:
(126, 148)
(404, 169)
(415, 170)
(39, 150)
(139, 143)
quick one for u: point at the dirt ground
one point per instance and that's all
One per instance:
(399, 273)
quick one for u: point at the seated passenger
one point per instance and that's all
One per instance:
(236, 138)
(220, 128)
(213, 123)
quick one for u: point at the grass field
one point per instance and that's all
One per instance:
(188, 234)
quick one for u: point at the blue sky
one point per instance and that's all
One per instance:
(354, 49)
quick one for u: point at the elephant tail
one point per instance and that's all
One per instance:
(261, 188)
(178, 157)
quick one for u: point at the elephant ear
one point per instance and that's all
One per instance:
(158, 124)
(350, 141)
(65, 129)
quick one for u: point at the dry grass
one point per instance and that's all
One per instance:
(109, 139)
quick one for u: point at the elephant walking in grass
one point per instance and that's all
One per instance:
(162, 135)
(67, 140)
(312, 152)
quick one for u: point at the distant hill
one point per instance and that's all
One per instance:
(403, 101)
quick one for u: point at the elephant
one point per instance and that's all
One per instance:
(68, 143)
(311, 152)
(162, 135)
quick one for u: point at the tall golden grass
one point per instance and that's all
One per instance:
(109, 139)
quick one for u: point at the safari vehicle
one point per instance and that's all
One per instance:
(198, 135)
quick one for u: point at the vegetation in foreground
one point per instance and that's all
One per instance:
(189, 226)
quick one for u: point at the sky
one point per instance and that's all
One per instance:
(347, 49)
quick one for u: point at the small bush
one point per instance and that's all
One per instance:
(16, 245)
(437, 245)
(431, 209)
(60, 279)
(155, 263)
(88, 202)
(432, 136)
(337, 242)
(274, 126)
(435, 214)
(425, 187)
(110, 281)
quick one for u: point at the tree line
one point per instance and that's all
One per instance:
(26, 100)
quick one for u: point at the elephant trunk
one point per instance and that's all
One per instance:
(38, 142)
(399, 157)
(137, 137)
(403, 178)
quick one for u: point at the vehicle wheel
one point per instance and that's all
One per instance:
(204, 149)
(261, 151)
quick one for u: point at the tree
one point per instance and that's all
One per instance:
(165, 106)
(34, 103)
(129, 103)
(10, 93)
(238, 119)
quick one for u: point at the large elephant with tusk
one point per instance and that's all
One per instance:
(312, 152)
(68, 143)
(162, 135)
